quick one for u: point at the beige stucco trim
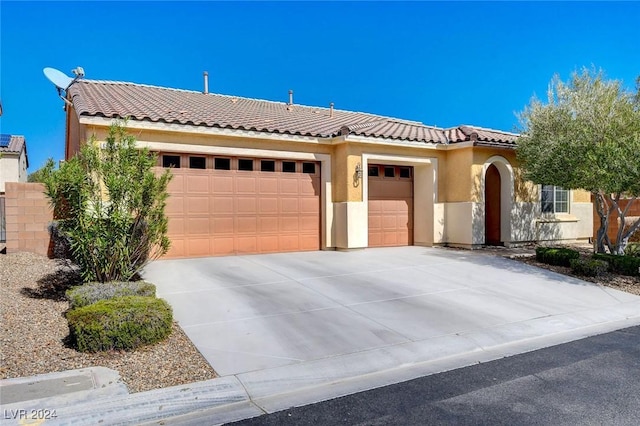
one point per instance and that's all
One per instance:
(326, 197)
(393, 142)
(203, 130)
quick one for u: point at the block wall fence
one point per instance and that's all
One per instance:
(634, 212)
(28, 215)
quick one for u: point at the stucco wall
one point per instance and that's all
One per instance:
(456, 175)
(13, 168)
(448, 183)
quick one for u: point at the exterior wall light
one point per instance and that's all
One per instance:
(357, 176)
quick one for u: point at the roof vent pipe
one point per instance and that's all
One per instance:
(331, 110)
(206, 82)
(290, 97)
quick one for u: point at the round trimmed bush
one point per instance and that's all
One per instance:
(633, 249)
(556, 256)
(589, 267)
(120, 323)
(89, 293)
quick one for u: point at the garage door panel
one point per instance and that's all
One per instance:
(223, 245)
(289, 206)
(268, 185)
(268, 205)
(268, 225)
(198, 226)
(375, 239)
(288, 224)
(309, 186)
(288, 242)
(309, 206)
(197, 205)
(175, 226)
(198, 246)
(176, 185)
(375, 222)
(223, 212)
(268, 243)
(246, 244)
(223, 225)
(246, 205)
(175, 206)
(177, 248)
(390, 214)
(246, 185)
(221, 205)
(309, 242)
(222, 184)
(246, 225)
(390, 222)
(289, 186)
(310, 225)
(197, 184)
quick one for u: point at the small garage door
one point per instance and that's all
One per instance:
(390, 205)
(227, 205)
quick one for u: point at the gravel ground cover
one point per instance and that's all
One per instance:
(527, 255)
(34, 332)
(619, 282)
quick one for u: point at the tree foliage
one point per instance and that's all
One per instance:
(40, 174)
(586, 136)
(110, 206)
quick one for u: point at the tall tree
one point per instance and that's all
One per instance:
(587, 136)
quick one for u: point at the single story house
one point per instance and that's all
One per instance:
(256, 176)
(13, 160)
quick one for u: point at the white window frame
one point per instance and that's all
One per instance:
(557, 204)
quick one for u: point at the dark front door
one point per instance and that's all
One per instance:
(492, 206)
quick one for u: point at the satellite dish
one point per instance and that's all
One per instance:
(58, 78)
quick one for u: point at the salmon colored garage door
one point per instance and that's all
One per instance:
(228, 205)
(390, 205)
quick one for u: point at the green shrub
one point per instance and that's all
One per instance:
(633, 249)
(589, 267)
(109, 204)
(625, 265)
(89, 293)
(556, 256)
(120, 323)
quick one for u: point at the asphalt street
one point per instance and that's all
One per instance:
(586, 382)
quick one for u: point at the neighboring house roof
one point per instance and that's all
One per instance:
(14, 145)
(112, 99)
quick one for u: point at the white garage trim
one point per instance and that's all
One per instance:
(425, 187)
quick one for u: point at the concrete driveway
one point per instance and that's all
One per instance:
(282, 322)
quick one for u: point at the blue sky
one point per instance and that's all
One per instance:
(443, 64)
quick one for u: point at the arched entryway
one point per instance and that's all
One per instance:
(492, 199)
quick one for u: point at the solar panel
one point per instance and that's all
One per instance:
(4, 140)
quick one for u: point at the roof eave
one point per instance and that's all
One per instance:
(500, 145)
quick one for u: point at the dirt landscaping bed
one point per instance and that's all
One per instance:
(34, 333)
(619, 282)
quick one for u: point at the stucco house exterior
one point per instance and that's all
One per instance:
(13, 160)
(256, 176)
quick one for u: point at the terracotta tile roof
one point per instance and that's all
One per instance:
(13, 144)
(478, 134)
(113, 99)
